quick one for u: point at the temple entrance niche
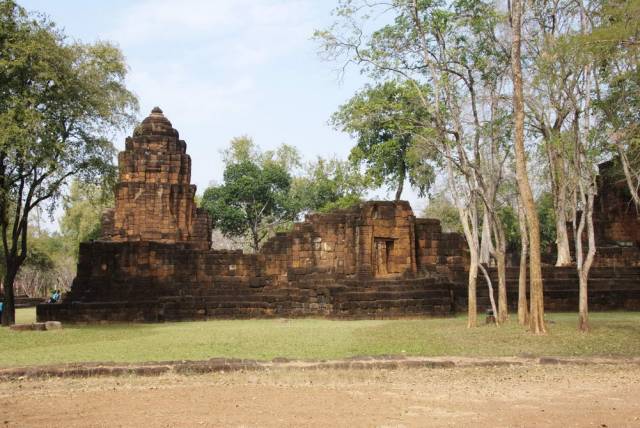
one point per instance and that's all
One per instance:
(383, 256)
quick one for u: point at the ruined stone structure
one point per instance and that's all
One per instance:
(617, 221)
(154, 260)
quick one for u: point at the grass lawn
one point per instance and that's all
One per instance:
(613, 334)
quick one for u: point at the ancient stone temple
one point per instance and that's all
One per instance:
(154, 261)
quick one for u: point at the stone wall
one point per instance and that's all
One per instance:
(324, 267)
(615, 215)
(616, 221)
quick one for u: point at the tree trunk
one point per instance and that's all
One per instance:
(255, 240)
(523, 309)
(492, 300)
(486, 245)
(469, 219)
(472, 306)
(401, 177)
(583, 310)
(584, 264)
(559, 188)
(503, 311)
(562, 236)
(630, 177)
(500, 255)
(9, 309)
(536, 322)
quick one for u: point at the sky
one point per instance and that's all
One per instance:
(225, 68)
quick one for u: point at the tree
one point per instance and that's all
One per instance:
(536, 313)
(450, 54)
(253, 200)
(49, 264)
(386, 119)
(443, 209)
(59, 101)
(83, 208)
(554, 77)
(614, 44)
(243, 149)
(328, 184)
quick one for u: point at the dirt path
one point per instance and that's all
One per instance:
(565, 396)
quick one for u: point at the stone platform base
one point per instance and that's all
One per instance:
(609, 289)
(350, 299)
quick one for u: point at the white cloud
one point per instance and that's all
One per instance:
(236, 22)
(204, 56)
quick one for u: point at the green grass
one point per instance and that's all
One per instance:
(613, 334)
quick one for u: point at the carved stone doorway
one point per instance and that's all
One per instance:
(383, 252)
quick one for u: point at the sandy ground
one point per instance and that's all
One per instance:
(567, 396)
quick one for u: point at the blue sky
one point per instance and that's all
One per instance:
(224, 68)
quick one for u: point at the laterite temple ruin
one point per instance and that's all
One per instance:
(154, 261)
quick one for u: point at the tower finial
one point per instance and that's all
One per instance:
(156, 109)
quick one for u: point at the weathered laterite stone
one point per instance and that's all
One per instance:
(154, 261)
(154, 195)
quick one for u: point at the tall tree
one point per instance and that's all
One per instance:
(588, 149)
(536, 318)
(386, 119)
(553, 78)
(614, 42)
(255, 197)
(59, 102)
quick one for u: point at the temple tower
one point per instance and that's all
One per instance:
(154, 197)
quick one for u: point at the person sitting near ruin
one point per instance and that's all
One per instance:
(1, 308)
(55, 296)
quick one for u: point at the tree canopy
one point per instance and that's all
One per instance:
(254, 197)
(386, 120)
(60, 101)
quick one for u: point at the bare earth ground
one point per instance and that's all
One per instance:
(530, 395)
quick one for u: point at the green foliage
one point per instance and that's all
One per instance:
(547, 216)
(509, 220)
(60, 101)
(443, 209)
(344, 202)
(328, 184)
(254, 198)
(49, 265)
(614, 45)
(387, 119)
(83, 209)
(244, 149)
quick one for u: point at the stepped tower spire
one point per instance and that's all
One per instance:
(154, 197)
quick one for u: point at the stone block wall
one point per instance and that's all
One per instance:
(439, 251)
